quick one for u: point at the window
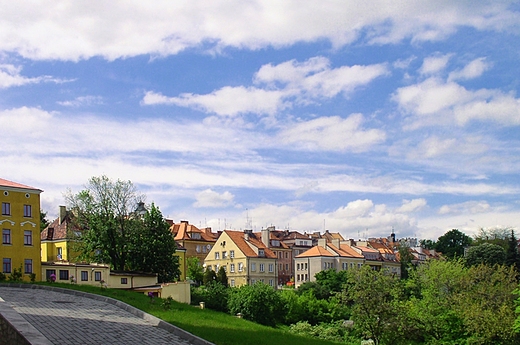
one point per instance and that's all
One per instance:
(197, 249)
(232, 268)
(271, 282)
(27, 211)
(124, 280)
(232, 282)
(6, 265)
(305, 266)
(64, 275)
(60, 253)
(6, 209)
(27, 237)
(224, 255)
(271, 267)
(298, 266)
(231, 254)
(261, 252)
(203, 249)
(286, 267)
(97, 276)
(84, 276)
(49, 273)
(298, 278)
(27, 265)
(286, 255)
(253, 266)
(195, 236)
(217, 256)
(240, 267)
(6, 236)
(262, 267)
(280, 267)
(253, 281)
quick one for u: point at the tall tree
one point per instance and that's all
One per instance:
(43, 220)
(452, 243)
(194, 270)
(104, 210)
(512, 256)
(222, 276)
(405, 258)
(152, 247)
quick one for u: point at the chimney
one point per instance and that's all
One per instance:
(265, 236)
(322, 242)
(247, 233)
(63, 214)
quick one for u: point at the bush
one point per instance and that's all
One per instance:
(2, 277)
(259, 303)
(333, 331)
(16, 275)
(213, 294)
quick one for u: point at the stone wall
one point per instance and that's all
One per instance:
(9, 335)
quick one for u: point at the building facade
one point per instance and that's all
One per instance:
(20, 225)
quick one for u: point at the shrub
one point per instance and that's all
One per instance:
(16, 275)
(2, 277)
(214, 294)
(259, 303)
(333, 331)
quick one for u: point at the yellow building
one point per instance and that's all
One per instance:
(20, 224)
(245, 258)
(180, 252)
(57, 238)
(197, 242)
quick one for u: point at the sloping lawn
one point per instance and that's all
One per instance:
(219, 328)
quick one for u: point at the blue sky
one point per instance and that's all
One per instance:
(352, 116)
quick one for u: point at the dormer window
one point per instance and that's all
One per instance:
(195, 236)
(261, 252)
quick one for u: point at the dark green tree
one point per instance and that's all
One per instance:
(222, 276)
(452, 244)
(486, 253)
(405, 258)
(152, 247)
(209, 276)
(105, 210)
(331, 280)
(427, 244)
(194, 270)
(512, 256)
(43, 220)
(497, 235)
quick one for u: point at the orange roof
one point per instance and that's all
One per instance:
(315, 251)
(11, 184)
(238, 238)
(182, 231)
(348, 251)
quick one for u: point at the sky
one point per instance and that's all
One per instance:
(356, 117)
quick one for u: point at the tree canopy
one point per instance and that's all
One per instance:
(452, 243)
(486, 253)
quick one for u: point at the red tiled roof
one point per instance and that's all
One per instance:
(56, 231)
(182, 231)
(349, 251)
(11, 184)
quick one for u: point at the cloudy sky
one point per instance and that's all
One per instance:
(352, 116)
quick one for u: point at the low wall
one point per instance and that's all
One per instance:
(14, 329)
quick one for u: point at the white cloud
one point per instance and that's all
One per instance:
(331, 134)
(210, 198)
(226, 101)
(469, 207)
(434, 64)
(472, 70)
(119, 29)
(285, 84)
(413, 205)
(82, 101)
(435, 102)
(10, 76)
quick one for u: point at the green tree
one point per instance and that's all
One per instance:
(427, 244)
(497, 236)
(512, 256)
(194, 270)
(104, 210)
(452, 244)
(405, 258)
(209, 276)
(43, 220)
(259, 303)
(152, 247)
(331, 280)
(375, 297)
(486, 253)
(222, 276)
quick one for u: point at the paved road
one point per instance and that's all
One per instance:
(69, 319)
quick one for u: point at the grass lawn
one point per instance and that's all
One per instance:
(219, 328)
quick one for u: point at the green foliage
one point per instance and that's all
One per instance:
(485, 253)
(334, 331)
(167, 303)
(306, 307)
(104, 210)
(43, 220)
(452, 244)
(512, 256)
(32, 277)
(16, 275)
(152, 247)
(498, 236)
(3, 277)
(194, 270)
(406, 257)
(318, 290)
(222, 276)
(259, 303)
(209, 276)
(331, 280)
(213, 294)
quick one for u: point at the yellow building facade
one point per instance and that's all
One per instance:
(20, 226)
